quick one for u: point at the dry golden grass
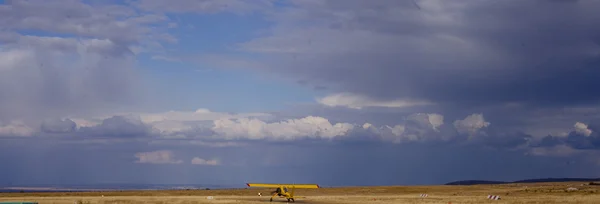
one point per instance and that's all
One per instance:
(510, 193)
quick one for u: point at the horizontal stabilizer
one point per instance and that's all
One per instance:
(274, 185)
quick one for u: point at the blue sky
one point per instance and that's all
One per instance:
(335, 92)
(217, 89)
(211, 86)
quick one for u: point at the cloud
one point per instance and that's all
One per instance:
(581, 137)
(58, 126)
(118, 126)
(555, 151)
(204, 6)
(196, 142)
(392, 134)
(16, 128)
(582, 128)
(443, 52)
(206, 128)
(117, 23)
(180, 121)
(415, 128)
(157, 157)
(72, 58)
(200, 161)
(358, 102)
(429, 120)
(214, 129)
(223, 130)
(471, 125)
(310, 126)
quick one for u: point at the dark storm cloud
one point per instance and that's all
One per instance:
(450, 52)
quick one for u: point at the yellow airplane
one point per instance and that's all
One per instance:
(282, 189)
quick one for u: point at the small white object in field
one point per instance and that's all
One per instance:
(259, 194)
(209, 197)
(493, 197)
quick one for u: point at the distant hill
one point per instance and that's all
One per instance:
(543, 180)
(474, 182)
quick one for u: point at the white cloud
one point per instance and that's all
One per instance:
(16, 128)
(396, 134)
(355, 101)
(471, 125)
(198, 115)
(397, 130)
(416, 127)
(172, 122)
(214, 129)
(178, 121)
(310, 126)
(206, 128)
(432, 120)
(582, 128)
(170, 126)
(200, 161)
(157, 157)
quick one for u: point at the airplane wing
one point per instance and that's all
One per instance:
(273, 185)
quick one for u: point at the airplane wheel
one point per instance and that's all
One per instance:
(271, 200)
(293, 201)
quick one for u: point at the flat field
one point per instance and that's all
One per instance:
(509, 193)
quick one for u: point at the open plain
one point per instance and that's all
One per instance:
(509, 193)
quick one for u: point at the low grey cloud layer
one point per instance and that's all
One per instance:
(163, 143)
(214, 129)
